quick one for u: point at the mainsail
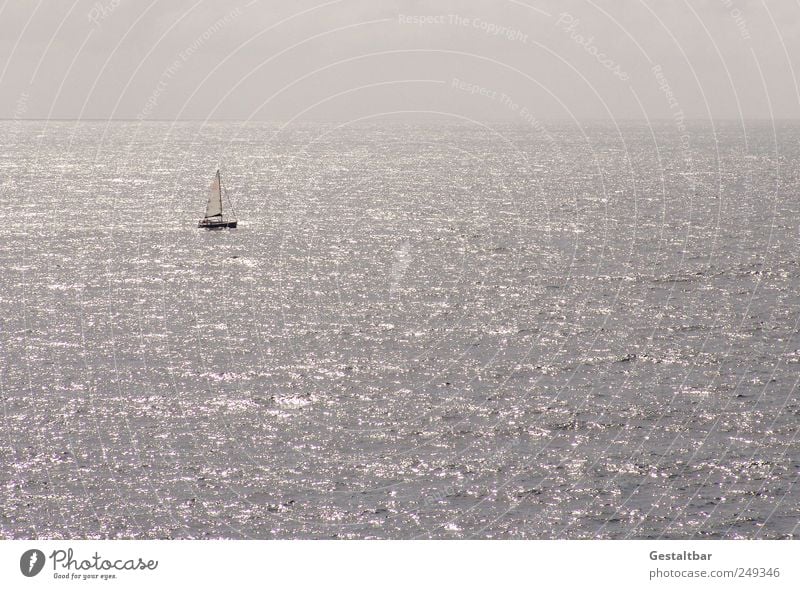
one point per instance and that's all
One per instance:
(214, 207)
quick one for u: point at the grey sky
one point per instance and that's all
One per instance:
(346, 59)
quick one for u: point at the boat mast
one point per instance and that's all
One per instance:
(219, 182)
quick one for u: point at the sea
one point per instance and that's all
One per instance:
(430, 328)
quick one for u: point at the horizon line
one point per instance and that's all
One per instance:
(333, 120)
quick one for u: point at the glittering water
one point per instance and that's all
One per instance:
(439, 330)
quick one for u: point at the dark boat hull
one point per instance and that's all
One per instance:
(206, 224)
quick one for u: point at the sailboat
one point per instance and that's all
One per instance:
(214, 218)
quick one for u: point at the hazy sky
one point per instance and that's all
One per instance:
(345, 59)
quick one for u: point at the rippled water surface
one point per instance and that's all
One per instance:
(435, 329)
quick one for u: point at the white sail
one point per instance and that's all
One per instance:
(214, 207)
